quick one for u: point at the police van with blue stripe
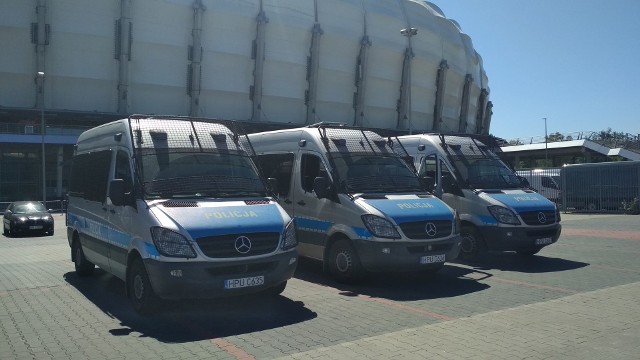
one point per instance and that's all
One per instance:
(358, 206)
(498, 211)
(176, 208)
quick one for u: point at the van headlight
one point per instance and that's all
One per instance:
(289, 237)
(380, 227)
(170, 243)
(504, 215)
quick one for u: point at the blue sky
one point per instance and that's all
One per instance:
(575, 62)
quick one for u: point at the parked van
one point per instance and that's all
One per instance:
(544, 181)
(357, 205)
(176, 208)
(497, 211)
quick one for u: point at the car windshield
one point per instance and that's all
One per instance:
(486, 174)
(362, 174)
(29, 208)
(180, 174)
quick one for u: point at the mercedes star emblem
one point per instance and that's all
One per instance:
(243, 244)
(542, 218)
(430, 229)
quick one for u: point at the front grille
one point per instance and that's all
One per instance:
(224, 246)
(532, 217)
(418, 229)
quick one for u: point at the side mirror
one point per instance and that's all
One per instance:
(449, 185)
(428, 183)
(117, 192)
(523, 182)
(321, 186)
(272, 183)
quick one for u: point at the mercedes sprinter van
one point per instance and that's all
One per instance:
(498, 212)
(358, 207)
(176, 208)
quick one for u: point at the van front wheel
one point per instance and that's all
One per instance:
(141, 295)
(83, 266)
(344, 262)
(472, 243)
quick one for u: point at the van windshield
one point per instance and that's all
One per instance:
(362, 174)
(486, 174)
(191, 174)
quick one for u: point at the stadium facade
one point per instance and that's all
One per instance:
(72, 64)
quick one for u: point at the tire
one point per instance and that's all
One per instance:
(83, 266)
(141, 295)
(529, 251)
(275, 290)
(592, 206)
(4, 230)
(472, 243)
(51, 233)
(344, 262)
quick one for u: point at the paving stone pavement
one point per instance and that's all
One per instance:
(579, 299)
(595, 325)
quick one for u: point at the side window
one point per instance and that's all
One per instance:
(90, 175)
(547, 182)
(311, 166)
(123, 170)
(428, 171)
(280, 167)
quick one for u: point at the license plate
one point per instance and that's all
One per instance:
(544, 241)
(35, 227)
(431, 259)
(244, 282)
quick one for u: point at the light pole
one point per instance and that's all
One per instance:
(407, 72)
(42, 130)
(546, 151)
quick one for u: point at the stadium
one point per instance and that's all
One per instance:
(69, 65)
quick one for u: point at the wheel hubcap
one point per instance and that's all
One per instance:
(138, 287)
(468, 243)
(343, 261)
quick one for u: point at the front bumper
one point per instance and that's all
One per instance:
(405, 255)
(31, 227)
(519, 238)
(203, 279)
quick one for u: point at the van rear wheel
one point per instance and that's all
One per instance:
(83, 266)
(142, 297)
(344, 262)
(472, 243)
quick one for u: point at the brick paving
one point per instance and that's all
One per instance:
(577, 300)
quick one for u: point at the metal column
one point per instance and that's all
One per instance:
(195, 56)
(255, 93)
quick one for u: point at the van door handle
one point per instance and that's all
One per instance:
(302, 203)
(112, 211)
(104, 209)
(287, 201)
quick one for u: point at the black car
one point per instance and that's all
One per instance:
(22, 217)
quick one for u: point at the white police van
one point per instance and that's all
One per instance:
(176, 208)
(357, 205)
(497, 211)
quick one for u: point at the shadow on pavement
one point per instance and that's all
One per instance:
(189, 320)
(510, 261)
(450, 281)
